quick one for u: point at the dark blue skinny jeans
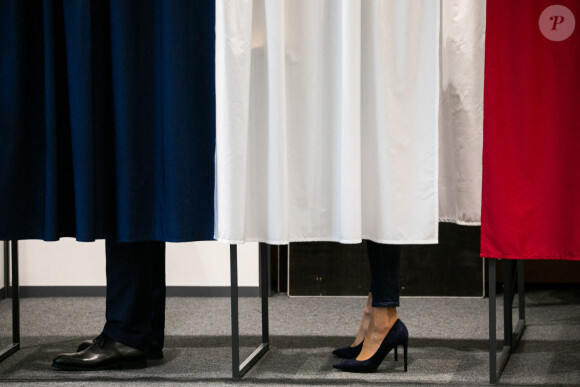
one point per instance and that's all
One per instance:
(384, 263)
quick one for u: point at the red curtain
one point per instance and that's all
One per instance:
(531, 151)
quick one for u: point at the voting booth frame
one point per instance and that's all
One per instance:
(11, 251)
(513, 275)
(238, 370)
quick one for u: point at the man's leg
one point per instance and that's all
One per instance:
(135, 286)
(134, 280)
(158, 305)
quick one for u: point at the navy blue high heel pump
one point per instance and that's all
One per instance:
(348, 352)
(398, 335)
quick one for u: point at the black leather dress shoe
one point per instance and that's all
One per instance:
(155, 352)
(102, 354)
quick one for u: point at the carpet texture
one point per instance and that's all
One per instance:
(448, 342)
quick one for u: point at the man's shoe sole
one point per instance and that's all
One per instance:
(125, 365)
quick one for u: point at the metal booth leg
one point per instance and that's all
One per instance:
(15, 294)
(521, 301)
(6, 268)
(491, 266)
(238, 370)
(511, 338)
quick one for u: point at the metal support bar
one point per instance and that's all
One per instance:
(491, 265)
(507, 303)
(238, 370)
(15, 294)
(511, 338)
(6, 268)
(265, 292)
(521, 292)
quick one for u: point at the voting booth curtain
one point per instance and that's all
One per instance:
(336, 120)
(531, 164)
(327, 121)
(328, 115)
(107, 121)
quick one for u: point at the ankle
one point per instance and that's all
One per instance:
(393, 316)
(384, 318)
(368, 310)
(369, 305)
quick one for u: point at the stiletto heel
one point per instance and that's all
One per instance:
(396, 353)
(348, 352)
(397, 335)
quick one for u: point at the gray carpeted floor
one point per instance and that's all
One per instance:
(448, 343)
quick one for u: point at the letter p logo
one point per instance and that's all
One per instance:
(557, 23)
(557, 20)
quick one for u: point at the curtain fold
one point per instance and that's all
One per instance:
(461, 111)
(328, 130)
(107, 120)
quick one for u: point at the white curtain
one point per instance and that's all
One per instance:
(327, 120)
(461, 110)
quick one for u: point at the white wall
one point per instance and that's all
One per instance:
(71, 263)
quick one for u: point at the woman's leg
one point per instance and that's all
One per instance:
(364, 322)
(384, 265)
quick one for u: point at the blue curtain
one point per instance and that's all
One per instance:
(107, 119)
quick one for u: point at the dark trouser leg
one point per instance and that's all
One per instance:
(133, 281)
(384, 263)
(158, 300)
